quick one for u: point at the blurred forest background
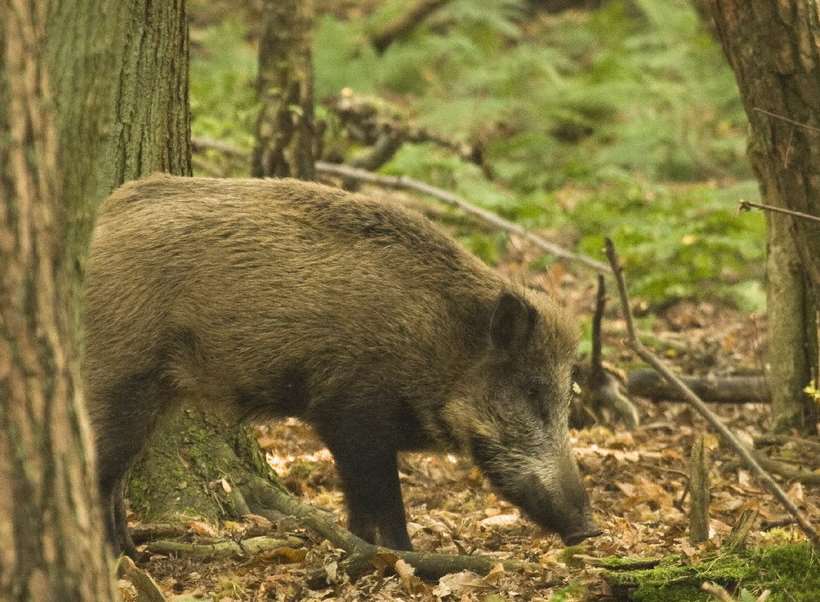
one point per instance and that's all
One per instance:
(576, 121)
(623, 120)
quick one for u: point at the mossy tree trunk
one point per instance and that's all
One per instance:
(51, 529)
(285, 129)
(774, 49)
(197, 461)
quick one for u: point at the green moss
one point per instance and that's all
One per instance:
(187, 455)
(791, 572)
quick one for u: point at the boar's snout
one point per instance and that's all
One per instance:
(546, 486)
(561, 505)
(576, 537)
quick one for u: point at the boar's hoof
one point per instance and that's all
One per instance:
(573, 539)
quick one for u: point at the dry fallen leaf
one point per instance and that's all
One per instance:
(500, 520)
(202, 528)
(407, 575)
(456, 583)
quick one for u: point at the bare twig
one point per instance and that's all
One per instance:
(805, 126)
(602, 388)
(717, 592)
(695, 401)
(600, 304)
(404, 23)
(405, 183)
(746, 205)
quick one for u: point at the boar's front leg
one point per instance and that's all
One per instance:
(370, 478)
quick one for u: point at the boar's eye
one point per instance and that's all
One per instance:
(536, 395)
(535, 388)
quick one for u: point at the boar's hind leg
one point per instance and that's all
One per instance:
(122, 425)
(371, 484)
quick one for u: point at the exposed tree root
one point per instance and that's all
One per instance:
(365, 556)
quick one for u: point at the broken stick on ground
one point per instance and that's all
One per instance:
(696, 402)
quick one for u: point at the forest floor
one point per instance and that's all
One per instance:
(637, 482)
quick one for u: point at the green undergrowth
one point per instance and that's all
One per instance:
(676, 241)
(791, 572)
(614, 122)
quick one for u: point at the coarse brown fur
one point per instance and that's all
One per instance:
(286, 298)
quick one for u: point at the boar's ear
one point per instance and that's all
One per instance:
(512, 322)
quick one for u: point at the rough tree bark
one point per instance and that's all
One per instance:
(774, 49)
(197, 462)
(285, 130)
(50, 522)
(151, 132)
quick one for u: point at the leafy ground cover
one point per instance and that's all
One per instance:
(620, 122)
(637, 482)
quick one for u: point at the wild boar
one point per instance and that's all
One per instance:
(286, 298)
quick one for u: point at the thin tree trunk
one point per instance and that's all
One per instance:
(285, 130)
(151, 132)
(52, 545)
(774, 49)
(194, 448)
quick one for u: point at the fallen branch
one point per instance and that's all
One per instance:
(698, 404)
(768, 525)
(746, 205)
(225, 548)
(771, 439)
(364, 555)
(786, 471)
(727, 389)
(405, 183)
(405, 23)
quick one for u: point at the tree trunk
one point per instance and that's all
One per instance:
(50, 523)
(285, 131)
(196, 462)
(773, 47)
